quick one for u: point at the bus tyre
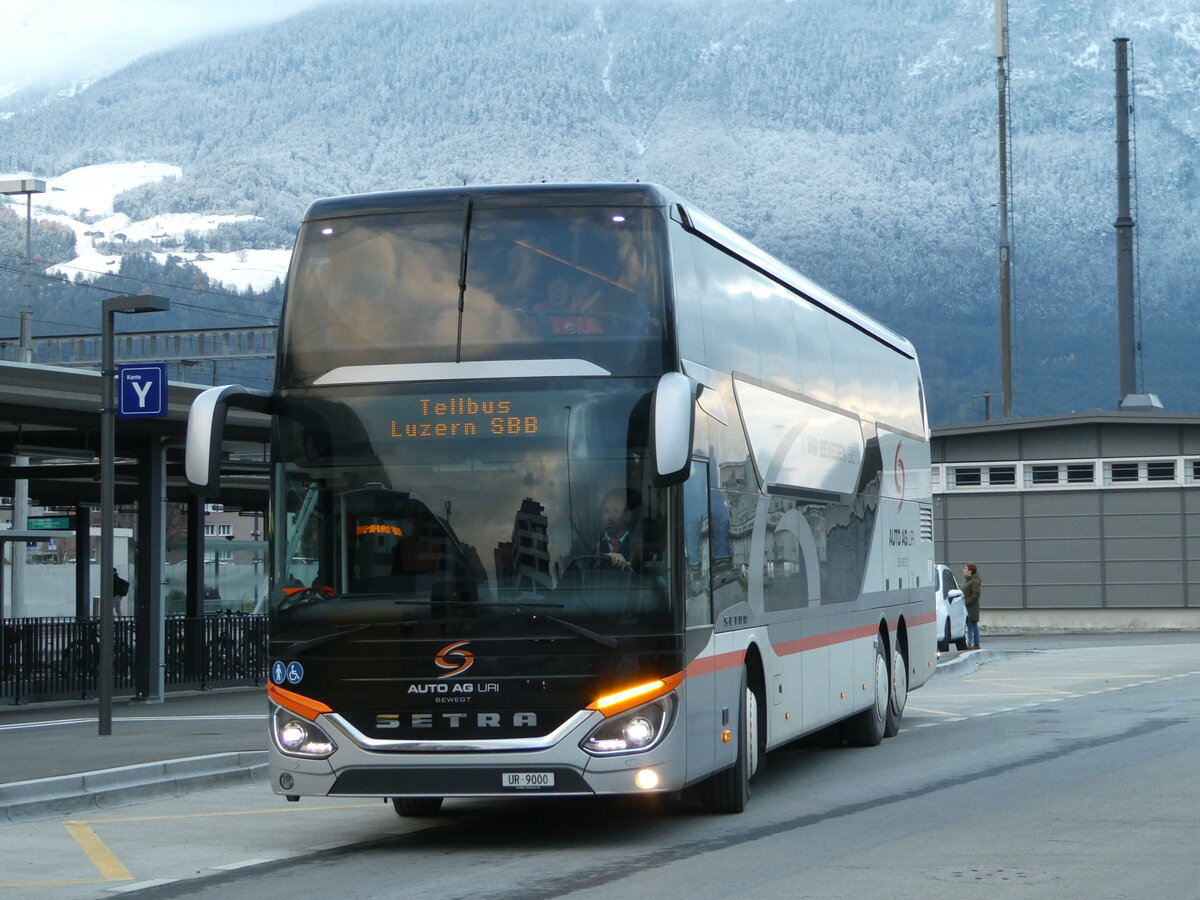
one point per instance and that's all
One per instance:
(897, 694)
(865, 729)
(729, 790)
(416, 807)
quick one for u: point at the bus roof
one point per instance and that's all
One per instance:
(606, 193)
(496, 196)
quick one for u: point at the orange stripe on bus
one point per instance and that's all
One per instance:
(816, 641)
(707, 665)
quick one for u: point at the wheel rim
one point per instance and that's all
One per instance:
(751, 732)
(881, 686)
(899, 683)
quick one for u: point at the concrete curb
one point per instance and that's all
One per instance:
(108, 788)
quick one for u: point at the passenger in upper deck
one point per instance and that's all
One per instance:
(567, 311)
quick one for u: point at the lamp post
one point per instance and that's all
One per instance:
(28, 187)
(128, 305)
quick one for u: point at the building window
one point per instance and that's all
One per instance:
(1081, 473)
(1124, 471)
(968, 476)
(210, 530)
(1160, 470)
(1196, 470)
(1002, 475)
(1043, 474)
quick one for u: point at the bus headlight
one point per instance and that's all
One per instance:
(631, 732)
(297, 736)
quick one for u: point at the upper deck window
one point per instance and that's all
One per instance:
(568, 282)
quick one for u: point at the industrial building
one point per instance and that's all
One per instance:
(1081, 521)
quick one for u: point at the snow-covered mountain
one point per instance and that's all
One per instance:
(855, 140)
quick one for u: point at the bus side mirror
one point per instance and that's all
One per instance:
(206, 431)
(672, 425)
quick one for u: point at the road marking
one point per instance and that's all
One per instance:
(110, 868)
(932, 712)
(288, 810)
(1019, 690)
(15, 726)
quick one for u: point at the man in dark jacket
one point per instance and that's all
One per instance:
(616, 540)
(971, 588)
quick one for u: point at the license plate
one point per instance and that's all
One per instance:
(527, 780)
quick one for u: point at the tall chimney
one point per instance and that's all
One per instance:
(1127, 342)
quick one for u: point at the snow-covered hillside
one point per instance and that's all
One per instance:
(82, 200)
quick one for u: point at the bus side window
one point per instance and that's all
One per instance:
(696, 523)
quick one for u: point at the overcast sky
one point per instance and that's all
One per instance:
(86, 38)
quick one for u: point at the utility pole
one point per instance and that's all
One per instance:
(1126, 331)
(1006, 390)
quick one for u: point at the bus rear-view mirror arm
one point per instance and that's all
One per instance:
(672, 424)
(206, 430)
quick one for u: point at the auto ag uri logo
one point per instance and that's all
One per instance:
(454, 659)
(899, 475)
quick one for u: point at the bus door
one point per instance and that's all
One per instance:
(701, 713)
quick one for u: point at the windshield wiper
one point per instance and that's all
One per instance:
(303, 646)
(602, 639)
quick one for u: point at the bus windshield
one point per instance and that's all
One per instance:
(411, 506)
(467, 284)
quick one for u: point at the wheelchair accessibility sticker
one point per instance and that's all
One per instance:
(292, 673)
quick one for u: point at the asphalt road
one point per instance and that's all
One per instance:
(1045, 771)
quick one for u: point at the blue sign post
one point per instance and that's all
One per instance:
(142, 390)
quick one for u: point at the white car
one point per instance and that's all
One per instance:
(951, 611)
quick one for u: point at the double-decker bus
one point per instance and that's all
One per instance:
(576, 492)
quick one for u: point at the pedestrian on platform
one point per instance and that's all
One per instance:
(972, 587)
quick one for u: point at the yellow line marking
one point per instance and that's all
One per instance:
(240, 812)
(932, 712)
(110, 868)
(1024, 689)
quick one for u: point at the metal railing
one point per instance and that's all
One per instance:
(59, 658)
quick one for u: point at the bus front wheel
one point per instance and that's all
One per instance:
(416, 807)
(729, 790)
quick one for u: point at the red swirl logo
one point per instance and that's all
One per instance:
(454, 659)
(899, 475)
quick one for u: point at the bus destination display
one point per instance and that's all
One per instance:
(458, 417)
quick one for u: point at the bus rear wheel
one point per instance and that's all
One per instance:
(865, 729)
(897, 694)
(416, 807)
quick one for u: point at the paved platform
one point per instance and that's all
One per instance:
(53, 761)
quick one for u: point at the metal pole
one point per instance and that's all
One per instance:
(1005, 248)
(1126, 331)
(26, 338)
(21, 486)
(107, 479)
